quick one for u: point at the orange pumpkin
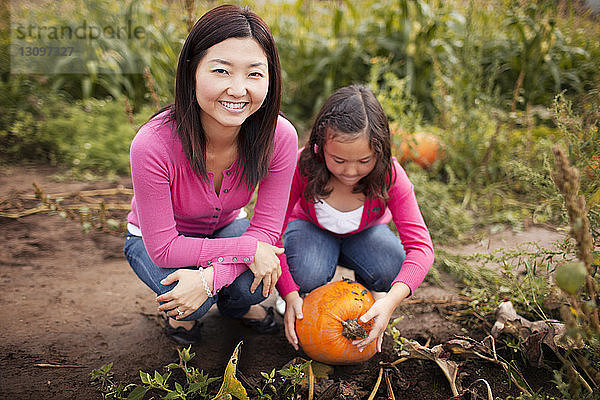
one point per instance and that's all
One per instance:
(420, 147)
(330, 323)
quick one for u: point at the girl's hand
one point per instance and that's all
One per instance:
(188, 295)
(265, 267)
(293, 311)
(381, 312)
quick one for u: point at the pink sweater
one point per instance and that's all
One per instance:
(401, 207)
(173, 206)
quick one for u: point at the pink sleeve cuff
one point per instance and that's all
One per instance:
(228, 268)
(225, 274)
(230, 251)
(412, 275)
(286, 283)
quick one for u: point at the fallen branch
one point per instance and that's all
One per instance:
(377, 383)
(70, 207)
(46, 365)
(389, 386)
(437, 301)
(98, 206)
(85, 193)
(35, 210)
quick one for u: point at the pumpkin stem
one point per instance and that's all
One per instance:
(353, 330)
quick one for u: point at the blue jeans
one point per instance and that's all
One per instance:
(375, 254)
(232, 301)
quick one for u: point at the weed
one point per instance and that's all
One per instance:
(581, 315)
(111, 390)
(283, 384)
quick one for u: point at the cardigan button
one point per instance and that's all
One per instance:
(246, 259)
(220, 259)
(226, 190)
(234, 259)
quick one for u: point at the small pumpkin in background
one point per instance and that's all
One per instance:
(420, 147)
(330, 323)
(592, 168)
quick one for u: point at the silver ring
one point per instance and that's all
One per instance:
(179, 312)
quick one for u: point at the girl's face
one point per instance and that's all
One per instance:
(232, 81)
(349, 161)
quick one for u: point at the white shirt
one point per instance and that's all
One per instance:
(136, 231)
(337, 221)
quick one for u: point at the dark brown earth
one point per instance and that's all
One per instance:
(71, 303)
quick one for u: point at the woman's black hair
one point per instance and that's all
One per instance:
(348, 113)
(255, 139)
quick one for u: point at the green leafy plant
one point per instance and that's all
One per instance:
(26, 104)
(537, 58)
(103, 378)
(94, 135)
(283, 384)
(196, 382)
(438, 204)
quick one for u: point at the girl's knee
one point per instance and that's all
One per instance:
(381, 285)
(379, 282)
(309, 283)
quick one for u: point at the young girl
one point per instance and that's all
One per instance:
(345, 190)
(195, 165)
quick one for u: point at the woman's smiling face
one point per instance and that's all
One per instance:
(232, 80)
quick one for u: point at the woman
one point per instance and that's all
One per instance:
(196, 163)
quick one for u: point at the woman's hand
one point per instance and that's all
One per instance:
(381, 312)
(293, 311)
(188, 295)
(265, 267)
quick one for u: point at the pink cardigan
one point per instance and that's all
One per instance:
(401, 207)
(173, 206)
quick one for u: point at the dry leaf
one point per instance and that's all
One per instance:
(531, 334)
(231, 386)
(412, 349)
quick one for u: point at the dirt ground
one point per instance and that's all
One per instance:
(71, 303)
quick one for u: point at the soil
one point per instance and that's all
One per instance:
(71, 304)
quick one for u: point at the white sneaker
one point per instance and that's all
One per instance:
(279, 305)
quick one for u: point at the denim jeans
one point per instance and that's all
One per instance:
(232, 301)
(375, 254)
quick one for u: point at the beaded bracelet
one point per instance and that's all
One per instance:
(206, 287)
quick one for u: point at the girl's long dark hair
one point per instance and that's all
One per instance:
(351, 111)
(255, 139)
